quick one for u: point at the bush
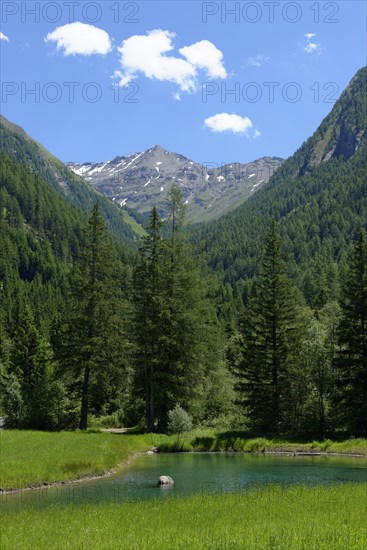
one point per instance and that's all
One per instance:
(179, 421)
(13, 403)
(107, 421)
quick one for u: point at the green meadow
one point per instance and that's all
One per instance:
(30, 458)
(297, 518)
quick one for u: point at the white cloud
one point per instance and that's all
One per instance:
(204, 55)
(257, 60)
(225, 122)
(146, 54)
(3, 37)
(80, 39)
(312, 47)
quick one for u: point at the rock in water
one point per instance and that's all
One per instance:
(165, 480)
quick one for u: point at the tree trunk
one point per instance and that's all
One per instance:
(322, 415)
(151, 399)
(83, 425)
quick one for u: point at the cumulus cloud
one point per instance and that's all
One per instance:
(204, 55)
(225, 122)
(80, 39)
(310, 46)
(257, 60)
(3, 37)
(147, 54)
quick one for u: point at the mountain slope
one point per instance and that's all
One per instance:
(143, 180)
(340, 135)
(320, 205)
(16, 144)
(40, 234)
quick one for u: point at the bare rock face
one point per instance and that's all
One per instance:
(143, 180)
(165, 480)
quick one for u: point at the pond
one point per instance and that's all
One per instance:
(203, 473)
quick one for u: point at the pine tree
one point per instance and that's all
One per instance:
(31, 371)
(176, 334)
(92, 335)
(149, 300)
(352, 363)
(268, 377)
(5, 346)
(193, 346)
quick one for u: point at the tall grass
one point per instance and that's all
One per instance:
(212, 441)
(296, 518)
(33, 458)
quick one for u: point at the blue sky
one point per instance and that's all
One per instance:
(114, 77)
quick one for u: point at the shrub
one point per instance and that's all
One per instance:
(179, 421)
(13, 403)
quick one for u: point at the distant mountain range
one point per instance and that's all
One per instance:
(144, 179)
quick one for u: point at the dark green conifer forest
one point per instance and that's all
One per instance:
(256, 321)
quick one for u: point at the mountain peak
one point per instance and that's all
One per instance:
(144, 179)
(341, 134)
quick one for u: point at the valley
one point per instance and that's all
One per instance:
(183, 338)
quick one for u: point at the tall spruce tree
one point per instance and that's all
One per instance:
(31, 372)
(268, 372)
(92, 337)
(4, 353)
(352, 363)
(149, 299)
(193, 345)
(176, 334)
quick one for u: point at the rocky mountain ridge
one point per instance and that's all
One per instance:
(144, 179)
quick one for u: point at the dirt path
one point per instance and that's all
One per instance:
(114, 430)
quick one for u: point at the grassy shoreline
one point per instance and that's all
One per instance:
(210, 441)
(37, 459)
(295, 517)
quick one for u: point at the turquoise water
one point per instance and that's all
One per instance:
(203, 473)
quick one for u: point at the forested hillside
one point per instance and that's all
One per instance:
(319, 200)
(16, 144)
(41, 235)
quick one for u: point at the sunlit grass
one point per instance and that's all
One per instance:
(296, 518)
(32, 458)
(210, 440)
